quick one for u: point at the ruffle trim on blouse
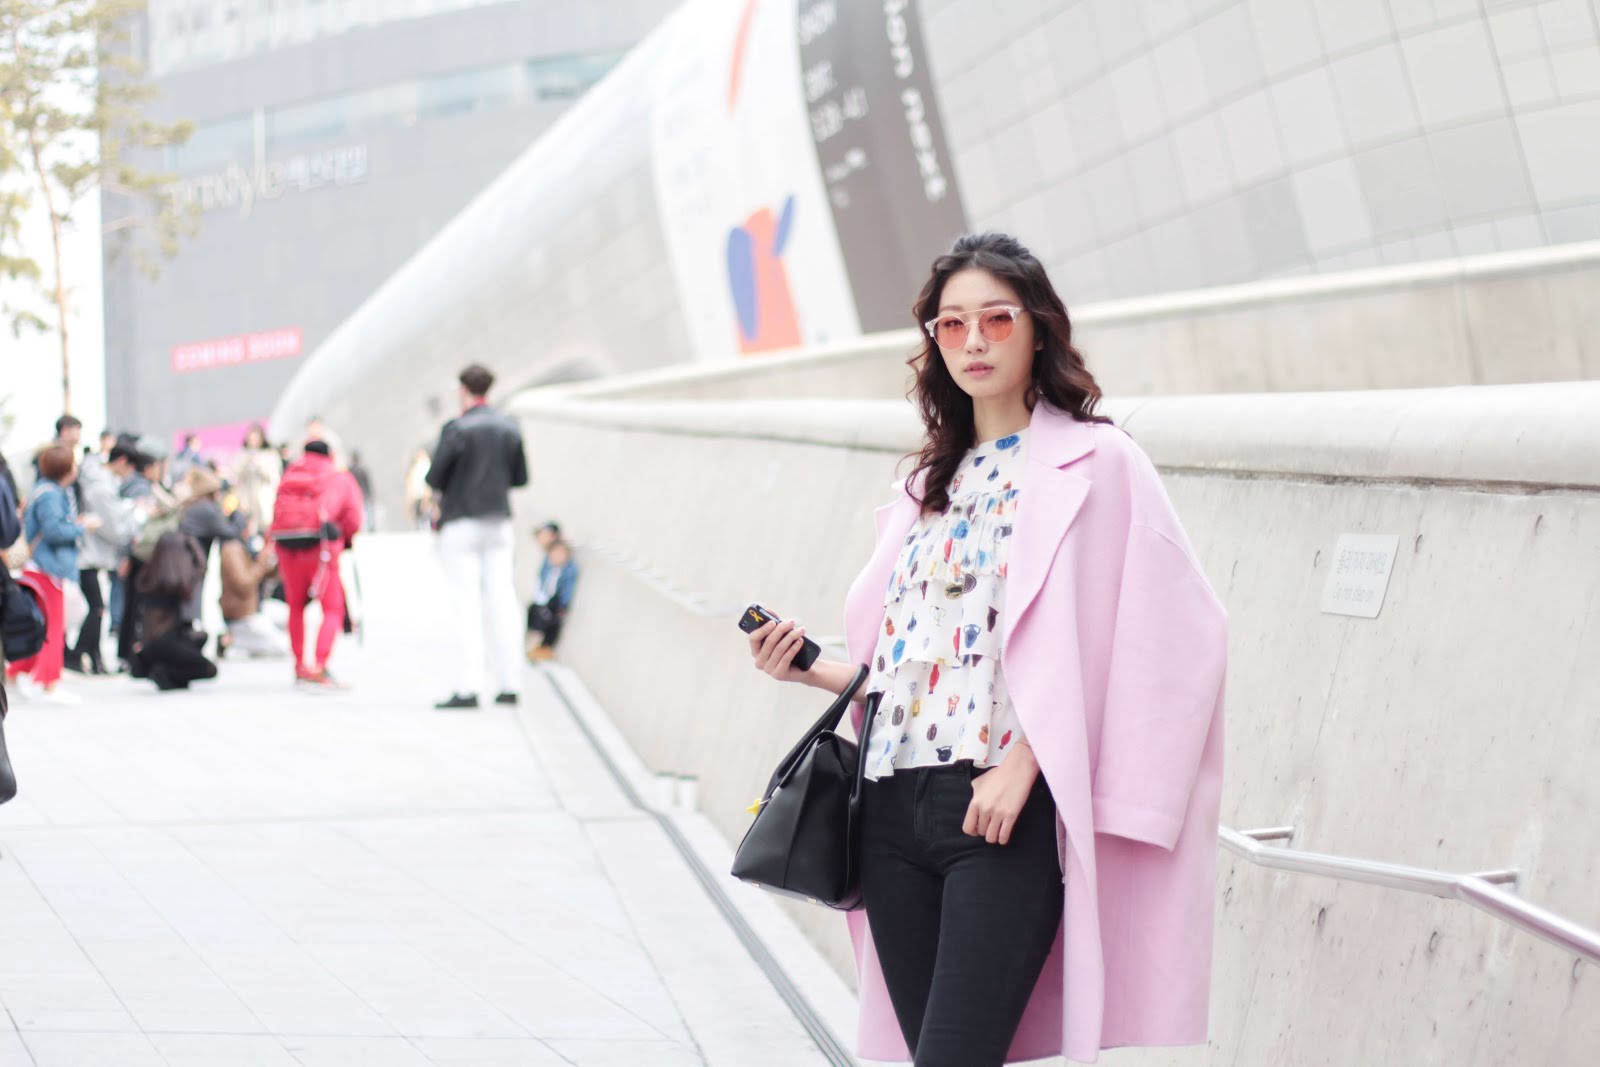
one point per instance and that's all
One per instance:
(962, 550)
(939, 630)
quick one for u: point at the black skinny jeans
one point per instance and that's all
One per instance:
(89, 636)
(962, 927)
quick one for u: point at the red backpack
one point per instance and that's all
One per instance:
(299, 519)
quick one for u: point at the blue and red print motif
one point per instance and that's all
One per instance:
(941, 638)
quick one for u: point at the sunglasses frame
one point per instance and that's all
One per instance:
(968, 320)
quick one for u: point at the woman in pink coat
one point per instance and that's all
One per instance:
(1045, 761)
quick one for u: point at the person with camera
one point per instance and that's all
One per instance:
(1045, 661)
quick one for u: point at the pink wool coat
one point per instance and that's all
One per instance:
(1115, 654)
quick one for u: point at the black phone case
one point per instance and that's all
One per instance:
(756, 616)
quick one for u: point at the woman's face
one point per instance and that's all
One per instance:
(255, 439)
(983, 368)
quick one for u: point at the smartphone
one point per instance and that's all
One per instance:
(756, 616)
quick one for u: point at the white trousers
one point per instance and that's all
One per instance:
(477, 558)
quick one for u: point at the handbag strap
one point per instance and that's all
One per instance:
(828, 721)
(873, 700)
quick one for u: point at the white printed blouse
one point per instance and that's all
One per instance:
(937, 660)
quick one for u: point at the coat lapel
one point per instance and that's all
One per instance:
(1049, 500)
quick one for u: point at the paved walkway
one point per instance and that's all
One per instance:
(250, 874)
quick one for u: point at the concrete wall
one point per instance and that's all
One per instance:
(1483, 320)
(1458, 730)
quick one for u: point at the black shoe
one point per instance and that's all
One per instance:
(97, 666)
(457, 702)
(73, 661)
(507, 698)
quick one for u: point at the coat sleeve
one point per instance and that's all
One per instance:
(350, 504)
(519, 462)
(1168, 657)
(444, 458)
(54, 521)
(120, 522)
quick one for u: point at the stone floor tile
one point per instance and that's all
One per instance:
(92, 1050)
(628, 1053)
(487, 1052)
(355, 1052)
(222, 1050)
(13, 1052)
(250, 873)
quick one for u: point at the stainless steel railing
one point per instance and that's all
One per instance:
(1482, 889)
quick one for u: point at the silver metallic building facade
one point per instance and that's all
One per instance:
(331, 143)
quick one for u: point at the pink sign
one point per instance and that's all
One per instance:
(237, 350)
(218, 442)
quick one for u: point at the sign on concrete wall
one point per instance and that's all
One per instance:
(238, 350)
(881, 146)
(1359, 578)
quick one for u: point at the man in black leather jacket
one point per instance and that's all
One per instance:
(478, 461)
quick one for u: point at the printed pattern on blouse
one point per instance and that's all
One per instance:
(937, 660)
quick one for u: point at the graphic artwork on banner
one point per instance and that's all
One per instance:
(882, 148)
(760, 286)
(749, 234)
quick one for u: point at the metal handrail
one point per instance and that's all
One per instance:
(1481, 890)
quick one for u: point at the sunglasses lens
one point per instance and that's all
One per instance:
(996, 325)
(950, 332)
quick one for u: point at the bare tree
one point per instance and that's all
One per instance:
(72, 98)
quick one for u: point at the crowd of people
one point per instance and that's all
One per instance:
(125, 534)
(115, 548)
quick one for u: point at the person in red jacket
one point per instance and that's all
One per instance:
(316, 516)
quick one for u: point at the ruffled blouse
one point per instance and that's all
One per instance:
(937, 660)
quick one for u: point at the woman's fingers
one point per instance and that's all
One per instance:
(758, 637)
(775, 646)
(969, 825)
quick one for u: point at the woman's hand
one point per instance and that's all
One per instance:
(999, 795)
(774, 646)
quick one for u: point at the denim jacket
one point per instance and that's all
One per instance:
(52, 519)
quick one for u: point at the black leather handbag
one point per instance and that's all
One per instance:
(805, 840)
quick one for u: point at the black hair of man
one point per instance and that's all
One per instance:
(68, 422)
(123, 452)
(552, 527)
(477, 380)
(319, 447)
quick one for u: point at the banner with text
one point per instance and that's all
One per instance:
(882, 149)
(238, 350)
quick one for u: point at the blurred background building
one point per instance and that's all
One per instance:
(767, 174)
(332, 140)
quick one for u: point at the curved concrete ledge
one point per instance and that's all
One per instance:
(1542, 437)
(1490, 267)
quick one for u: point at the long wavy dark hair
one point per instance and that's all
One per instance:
(176, 567)
(1059, 374)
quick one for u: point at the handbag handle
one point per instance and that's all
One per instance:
(828, 721)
